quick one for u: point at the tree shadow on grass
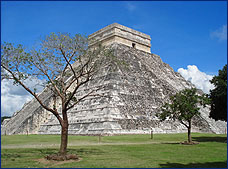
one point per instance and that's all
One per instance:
(195, 165)
(10, 155)
(80, 151)
(171, 143)
(210, 139)
(89, 151)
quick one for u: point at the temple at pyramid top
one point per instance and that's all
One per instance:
(116, 33)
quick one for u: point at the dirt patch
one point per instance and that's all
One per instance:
(58, 157)
(189, 143)
(54, 162)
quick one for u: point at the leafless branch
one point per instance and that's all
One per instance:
(49, 78)
(33, 93)
(90, 94)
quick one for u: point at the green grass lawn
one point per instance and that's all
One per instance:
(125, 151)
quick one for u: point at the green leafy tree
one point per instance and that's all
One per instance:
(218, 96)
(183, 106)
(65, 64)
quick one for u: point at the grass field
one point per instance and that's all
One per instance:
(125, 151)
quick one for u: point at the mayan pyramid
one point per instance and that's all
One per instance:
(135, 95)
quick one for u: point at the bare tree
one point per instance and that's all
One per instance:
(65, 63)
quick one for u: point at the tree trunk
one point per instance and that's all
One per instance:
(64, 138)
(189, 131)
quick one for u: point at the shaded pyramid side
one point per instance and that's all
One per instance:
(29, 118)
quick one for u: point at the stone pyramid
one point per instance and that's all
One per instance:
(134, 95)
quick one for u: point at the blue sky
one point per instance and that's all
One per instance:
(180, 31)
(183, 33)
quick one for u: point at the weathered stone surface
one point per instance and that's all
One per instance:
(29, 118)
(116, 33)
(134, 96)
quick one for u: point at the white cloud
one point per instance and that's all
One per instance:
(220, 33)
(13, 103)
(200, 79)
(14, 97)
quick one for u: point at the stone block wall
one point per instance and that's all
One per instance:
(116, 33)
(133, 97)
